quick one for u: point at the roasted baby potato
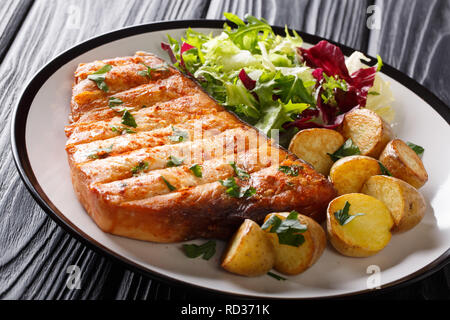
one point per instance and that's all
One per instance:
(363, 235)
(349, 174)
(293, 260)
(367, 130)
(312, 145)
(403, 163)
(405, 203)
(250, 252)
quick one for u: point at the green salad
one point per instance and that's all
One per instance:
(269, 80)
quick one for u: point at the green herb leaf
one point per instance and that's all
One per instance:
(384, 170)
(239, 172)
(235, 191)
(347, 149)
(291, 170)
(99, 77)
(114, 102)
(276, 276)
(343, 217)
(121, 130)
(128, 119)
(174, 161)
(207, 250)
(289, 230)
(142, 166)
(197, 170)
(417, 149)
(100, 153)
(148, 72)
(178, 135)
(171, 187)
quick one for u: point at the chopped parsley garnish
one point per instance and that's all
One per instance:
(142, 166)
(343, 217)
(148, 72)
(128, 119)
(197, 170)
(100, 153)
(242, 174)
(121, 130)
(114, 102)
(384, 170)
(347, 149)
(99, 77)
(174, 161)
(171, 187)
(275, 276)
(178, 135)
(289, 230)
(206, 250)
(291, 170)
(417, 149)
(235, 191)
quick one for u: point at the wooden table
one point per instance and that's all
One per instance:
(413, 36)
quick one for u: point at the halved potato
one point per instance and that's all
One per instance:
(403, 163)
(250, 252)
(406, 204)
(294, 260)
(312, 145)
(366, 234)
(349, 174)
(367, 130)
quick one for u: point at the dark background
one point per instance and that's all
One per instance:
(414, 36)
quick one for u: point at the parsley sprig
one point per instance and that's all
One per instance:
(206, 250)
(100, 153)
(417, 149)
(289, 230)
(178, 135)
(343, 216)
(99, 77)
(121, 130)
(148, 72)
(241, 173)
(141, 166)
(175, 161)
(171, 187)
(235, 191)
(384, 170)
(292, 171)
(346, 150)
(197, 170)
(276, 276)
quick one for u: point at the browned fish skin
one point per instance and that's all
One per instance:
(143, 205)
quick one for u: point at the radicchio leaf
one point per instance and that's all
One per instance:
(248, 82)
(168, 48)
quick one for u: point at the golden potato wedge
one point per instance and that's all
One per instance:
(405, 203)
(403, 163)
(292, 260)
(367, 130)
(250, 252)
(364, 235)
(312, 145)
(349, 174)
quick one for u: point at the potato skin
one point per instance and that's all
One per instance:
(374, 227)
(349, 174)
(367, 130)
(250, 252)
(292, 260)
(312, 145)
(403, 163)
(407, 205)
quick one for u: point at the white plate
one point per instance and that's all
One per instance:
(38, 142)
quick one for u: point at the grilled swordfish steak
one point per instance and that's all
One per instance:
(153, 157)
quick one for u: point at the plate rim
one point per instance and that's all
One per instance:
(19, 119)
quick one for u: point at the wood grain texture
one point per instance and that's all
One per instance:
(343, 21)
(12, 13)
(35, 252)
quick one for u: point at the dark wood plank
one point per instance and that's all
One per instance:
(12, 13)
(342, 21)
(35, 251)
(415, 38)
